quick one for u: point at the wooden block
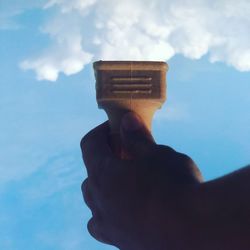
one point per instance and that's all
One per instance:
(123, 86)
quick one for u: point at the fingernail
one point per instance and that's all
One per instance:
(131, 122)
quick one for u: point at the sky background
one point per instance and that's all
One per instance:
(47, 100)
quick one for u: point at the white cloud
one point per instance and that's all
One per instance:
(67, 6)
(86, 30)
(67, 55)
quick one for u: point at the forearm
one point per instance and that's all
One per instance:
(222, 215)
(211, 215)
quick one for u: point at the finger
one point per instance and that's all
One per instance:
(176, 168)
(136, 138)
(192, 171)
(88, 199)
(95, 148)
(96, 230)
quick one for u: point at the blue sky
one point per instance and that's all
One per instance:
(42, 121)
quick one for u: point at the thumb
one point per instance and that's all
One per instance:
(135, 137)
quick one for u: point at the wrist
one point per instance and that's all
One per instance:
(211, 221)
(185, 223)
(181, 226)
(194, 215)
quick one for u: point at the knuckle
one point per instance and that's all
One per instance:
(89, 196)
(83, 141)
(87, 138)
(161, 154)
(163, 149)
(92, 228)
(97, 231)
(186, 159)
(191, 169)
(86, 195)
(84, 185)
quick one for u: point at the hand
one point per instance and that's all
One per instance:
(137, 204)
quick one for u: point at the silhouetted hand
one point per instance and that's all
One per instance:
(137, 204)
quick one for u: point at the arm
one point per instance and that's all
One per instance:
(156, 200)
(224, 212)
